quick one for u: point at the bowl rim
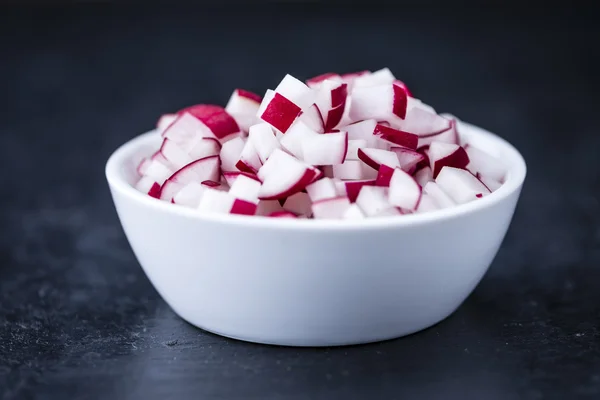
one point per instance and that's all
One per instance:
(514, 181)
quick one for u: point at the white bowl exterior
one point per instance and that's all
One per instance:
(304, 286)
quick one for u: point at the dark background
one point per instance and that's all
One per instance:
(78, 318)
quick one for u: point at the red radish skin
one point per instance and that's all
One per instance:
(397, 137)
(246, 94)
(296, 91)
(404, 191)
(446, 155)
(243, 207)
(230, 177)
(354, 170)
(384, 176)
(409, 159)
(373, 200)
(333, 208)
(280, 112)
(249, 160)
(322, 189)
(313, 119)
(374, 158)
(334, 116)
(353, 212)
(353, 188)
(282, 214)
(216, 119)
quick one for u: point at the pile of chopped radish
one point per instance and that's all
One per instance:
(347, 146)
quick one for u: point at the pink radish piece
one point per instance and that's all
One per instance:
(205, 147)
(322, 189)
(354, 170)
(312, 118)
(216, 201)
(331, 100)
(436, 193)
(148, 186)
(315, 82)
(363, 130)
(423, 176)
(245, 188)
(298, 133)
(249, 160)
(230, 177)
(384, 176)
(243, 106)
(421, 120)
(485, 164)
(374, 158)
(325, 149)
(174, 154)
(164, 121)
(396, 137)
(404, 191)
(282, 214)
(230, 153)
(333, 208)
(299, 204)
(264, 141)
(372, 200)
(158, 172)
(143, 166)
(215, 118)
(350, 77)
(353, 188)
(159, 158)
(446, 155)
(186, 131)
(189, 195)
(296, 91)
(409, 159)
(268, 207)
(460, 185)
(353, 146)
(205, 169)
(285, 176)
(380, 77)
(403, 86)
(353, 212)
(426, 204)
(278, 111)
(382, 103)
(491, 184)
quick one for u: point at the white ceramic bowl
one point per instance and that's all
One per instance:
(314, 282)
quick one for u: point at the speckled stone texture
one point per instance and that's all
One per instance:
(78, 318)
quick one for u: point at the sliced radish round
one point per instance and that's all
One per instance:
(491, 184)
(409, 159)
(353, 188)
(296, 91)
(278, 111)
(427, 203)
(354, 170)
(384, 176)
(249, 160)
(312, 118)
(230, 153)
(284, 175)
(189, 195)
(436, 193)
(382, 103)
(380, 77)
(217, 120)
(315, 82)
(245, 188)
(205, 147)
(282, 214)
(333, 208)
(460, 185)
(375, 157)
(423, 176)
(243, 106)
(325, 149)
(353, 212)
(165, 121)
(216, 201)
(372, 200)
(298, 203)
(485, 164)
(264, 141)
(404, 191)
(230, 177)
(446, 155)
(148, 186)
(322, 189)
(397, 137)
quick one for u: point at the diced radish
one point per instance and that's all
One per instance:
(491, 184)
(148, 186)
(333, 208)
(382, 103)
(380, 77)
(340, 187)
(349, 78)
(420, 120)
(312, 118)
(397, 137)
(353, 146)
(249, 160)
(390, 212)
(375, 157)
(158, 172)
(282, 214)
(460, 185)
(245, 188)
(446, 154)
(437, 193)
(205, 169)
(449, 135)
(174, 154)
(331, 100)
(333, 117)
(264, 141)
(423, 176)
(186, 131)
(353, 212)
(285, 176)
(322, 189)
(298, 203)
(353, 188)
(296, 91)
(372, 200)
(243, 106)
(325, 149)
(164, 121)
(215, 118)
(315, 82)
(354, 170)
(427, 203)
(205, 147)
(230, 177)
(485, 164)
(363, 130)
(404, 191)
(268, 207)
(159, 158)
(216, 201)
(189, 195)
(230, 153)
(403, 86)
(384, 176)
(143, 166)
(409, 159)
(298, 133)
(278, 111)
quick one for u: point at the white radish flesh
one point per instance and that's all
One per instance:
(216, 201)
(189, 195)
(164, 121)
(325, 149)
(297, 134)
(243, 106)
(446, 155)
(427, 203)
(380, 77)
(373, 200)
(264, 141)
(296, 91)
(404, 191)
(322, 189)
(461, 185)
(249, 160)
(485, 164)
(382, 103)
(299, 204)
(437, 193)
(423, 176)
(278, 111)
(231, 177)
(354, 170)
(230, 153)
(408, 158)
(333, 208)
(353, 212)
(285, 176)
(245, 188)
(374, 158)
(353, 146)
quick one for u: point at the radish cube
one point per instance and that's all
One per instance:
(403, 86)
(446, 155)
(298, 203)
(165, 121)
(382, 103)
(485, 164)
(245, 188)
(205, 147)
(174, 154)
(390, 212)
(363, 130)
(440, 197)
(404, 191)
(380, 77)
(423, 176)
(449, 135)
(278, 111)
(353, 188)
(158, 172)
(217, 121)
(249, 160)
(460, 185)
(230, 153)
(491, 184)
(264, 141)
(397, 137)
(186, 131)
(148, 186)
(372, 200)
(189, 195)
(322, 189)
(374, 158)
(353, 146)
(354, 170)
(409, 159)
(282, 214)
(243, 106)
(325, 149)
(284, 175)
(333, 208)
(315, 83)
(298, 133)
(296, 91)
(216, 201)
(427, 203)
(353, 212)
(421, 120)
(143, 166)
(231, 177)
(384, 176)
(312, 118)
